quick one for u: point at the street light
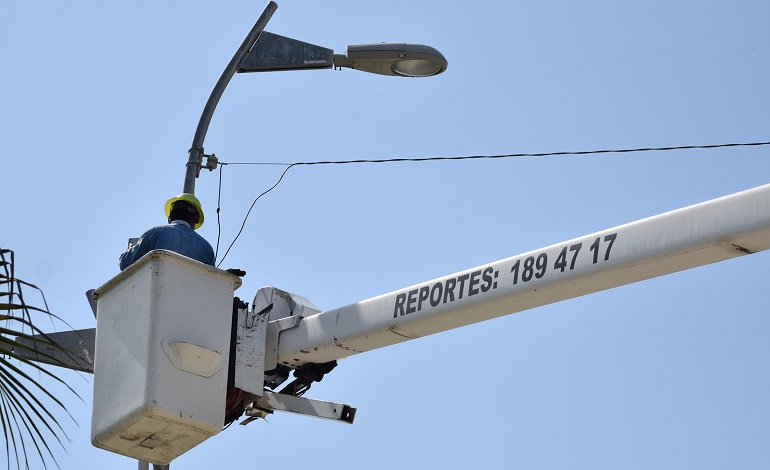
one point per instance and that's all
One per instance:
(274, 53)
(262, 51)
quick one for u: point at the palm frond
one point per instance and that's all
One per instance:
(28, 410)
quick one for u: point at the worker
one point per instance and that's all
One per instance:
(185, 215)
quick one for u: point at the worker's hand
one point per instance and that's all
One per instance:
(236, 271)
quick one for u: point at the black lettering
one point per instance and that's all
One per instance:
(435, 294)
(462, 280)
(424, 293)
(561, 260)
(487, 278)
(609, 238)
(515, 271)
(410, 308)
(399, 308)
(449, 290)
(576, 248)
(541, 264)
(595, 250)
(526, 274)
(472, 289)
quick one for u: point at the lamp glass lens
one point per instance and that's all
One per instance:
(416, 68)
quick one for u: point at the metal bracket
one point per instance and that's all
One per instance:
(258, 333)
(251, 332)
(288, 309)
(271, 401)
(274, 329)
(211, 162)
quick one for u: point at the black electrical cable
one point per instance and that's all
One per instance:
(219, 207)
(511, 155)
(249, 212)
(467, 157)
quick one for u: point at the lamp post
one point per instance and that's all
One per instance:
(195, 154)
(262, 51)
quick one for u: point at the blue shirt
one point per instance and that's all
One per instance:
(177, 236)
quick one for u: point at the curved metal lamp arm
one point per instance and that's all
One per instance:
(195, 154)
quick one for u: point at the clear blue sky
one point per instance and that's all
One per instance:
(98, 105)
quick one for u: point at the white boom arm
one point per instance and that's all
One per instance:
(704, 233)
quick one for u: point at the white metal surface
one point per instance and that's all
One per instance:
(271, 401)
(286, 309)
(162, 344)
(251, 332)
(705, 233)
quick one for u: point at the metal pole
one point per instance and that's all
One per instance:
(146, 466)
(195, 154)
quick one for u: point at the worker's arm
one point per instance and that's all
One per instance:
(145, 244)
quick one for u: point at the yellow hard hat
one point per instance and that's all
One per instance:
(192, 200)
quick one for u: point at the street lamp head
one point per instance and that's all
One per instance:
(395, 59)
(272, 52)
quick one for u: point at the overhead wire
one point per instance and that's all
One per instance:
(511, 155)
(249, 211)
(219, 208)
(432, 159)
